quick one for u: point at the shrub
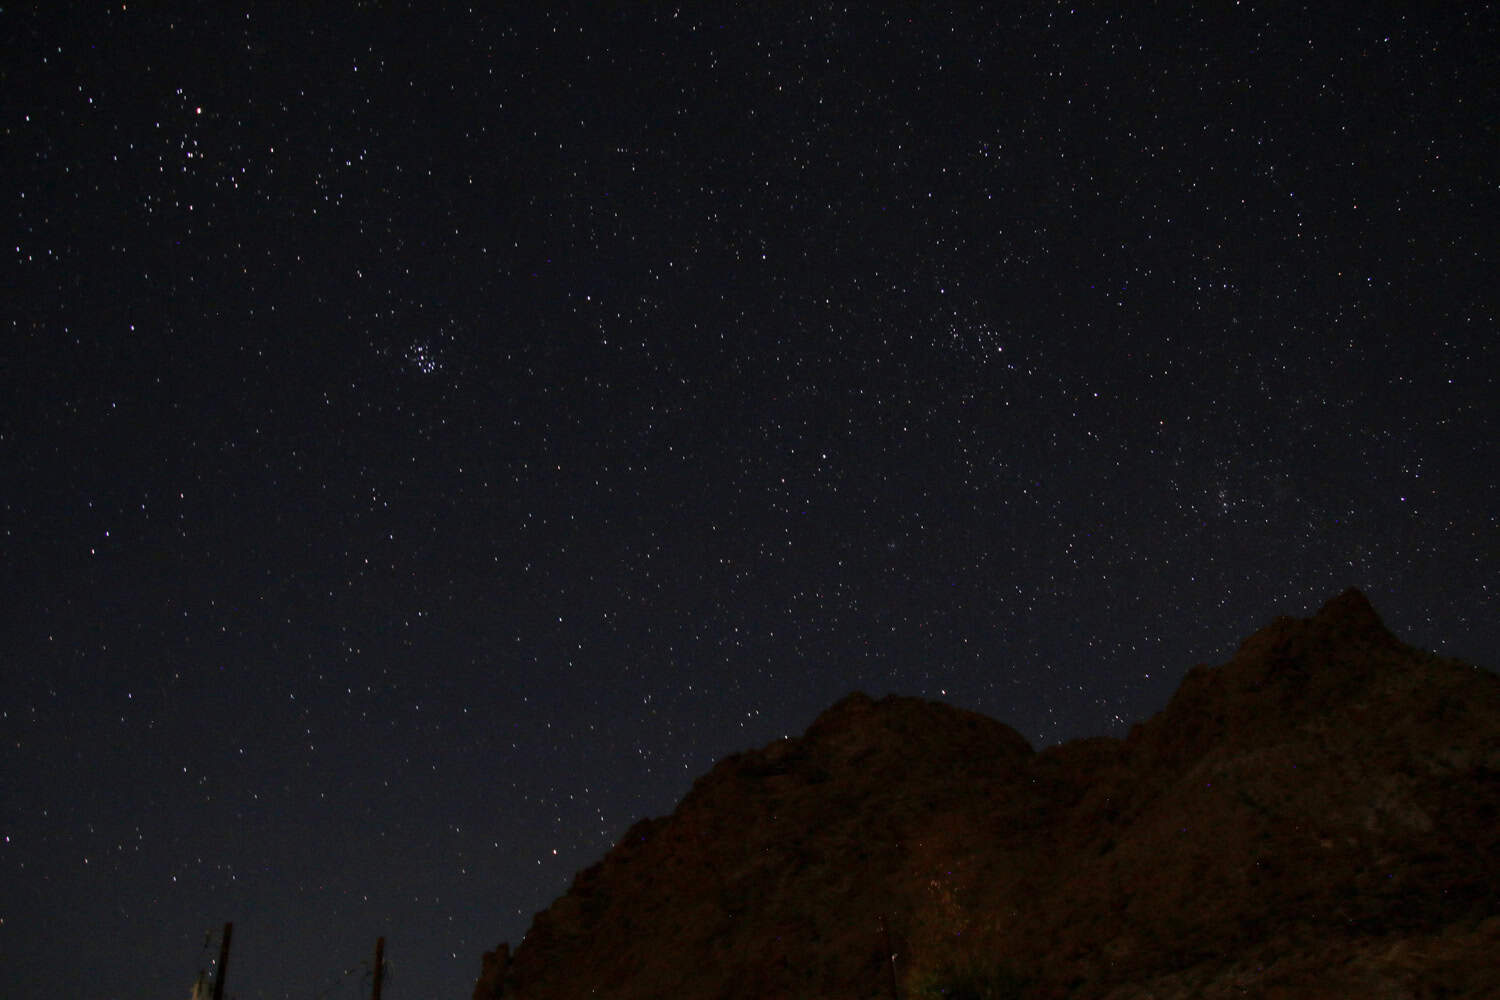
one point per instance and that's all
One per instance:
(970, 979)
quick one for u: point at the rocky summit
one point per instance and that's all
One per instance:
(1318, 817)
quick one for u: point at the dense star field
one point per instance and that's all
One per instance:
(429, 442)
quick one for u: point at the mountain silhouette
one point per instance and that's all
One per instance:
(1320, 816)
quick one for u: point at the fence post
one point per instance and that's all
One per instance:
(223, 962)
(379, 965)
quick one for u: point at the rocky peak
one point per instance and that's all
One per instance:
(1320, 816)
(1352, 613)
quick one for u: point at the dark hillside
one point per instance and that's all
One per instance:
(1319, 816)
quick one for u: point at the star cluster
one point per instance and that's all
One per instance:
(431, 442)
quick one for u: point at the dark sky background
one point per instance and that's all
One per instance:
(430, 442)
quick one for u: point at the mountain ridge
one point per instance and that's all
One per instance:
(1317, 814)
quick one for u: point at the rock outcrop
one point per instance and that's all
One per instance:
(1318, 817)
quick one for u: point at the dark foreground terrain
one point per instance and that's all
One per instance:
(1318, 817)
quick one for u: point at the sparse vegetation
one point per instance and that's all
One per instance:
(967, 979)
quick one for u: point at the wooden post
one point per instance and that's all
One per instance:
(223, 962)
(379, 964)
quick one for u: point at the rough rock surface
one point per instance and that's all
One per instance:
(1318, 817)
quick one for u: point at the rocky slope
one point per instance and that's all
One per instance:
(1318, 817)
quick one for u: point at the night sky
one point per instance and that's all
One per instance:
(428, 443)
